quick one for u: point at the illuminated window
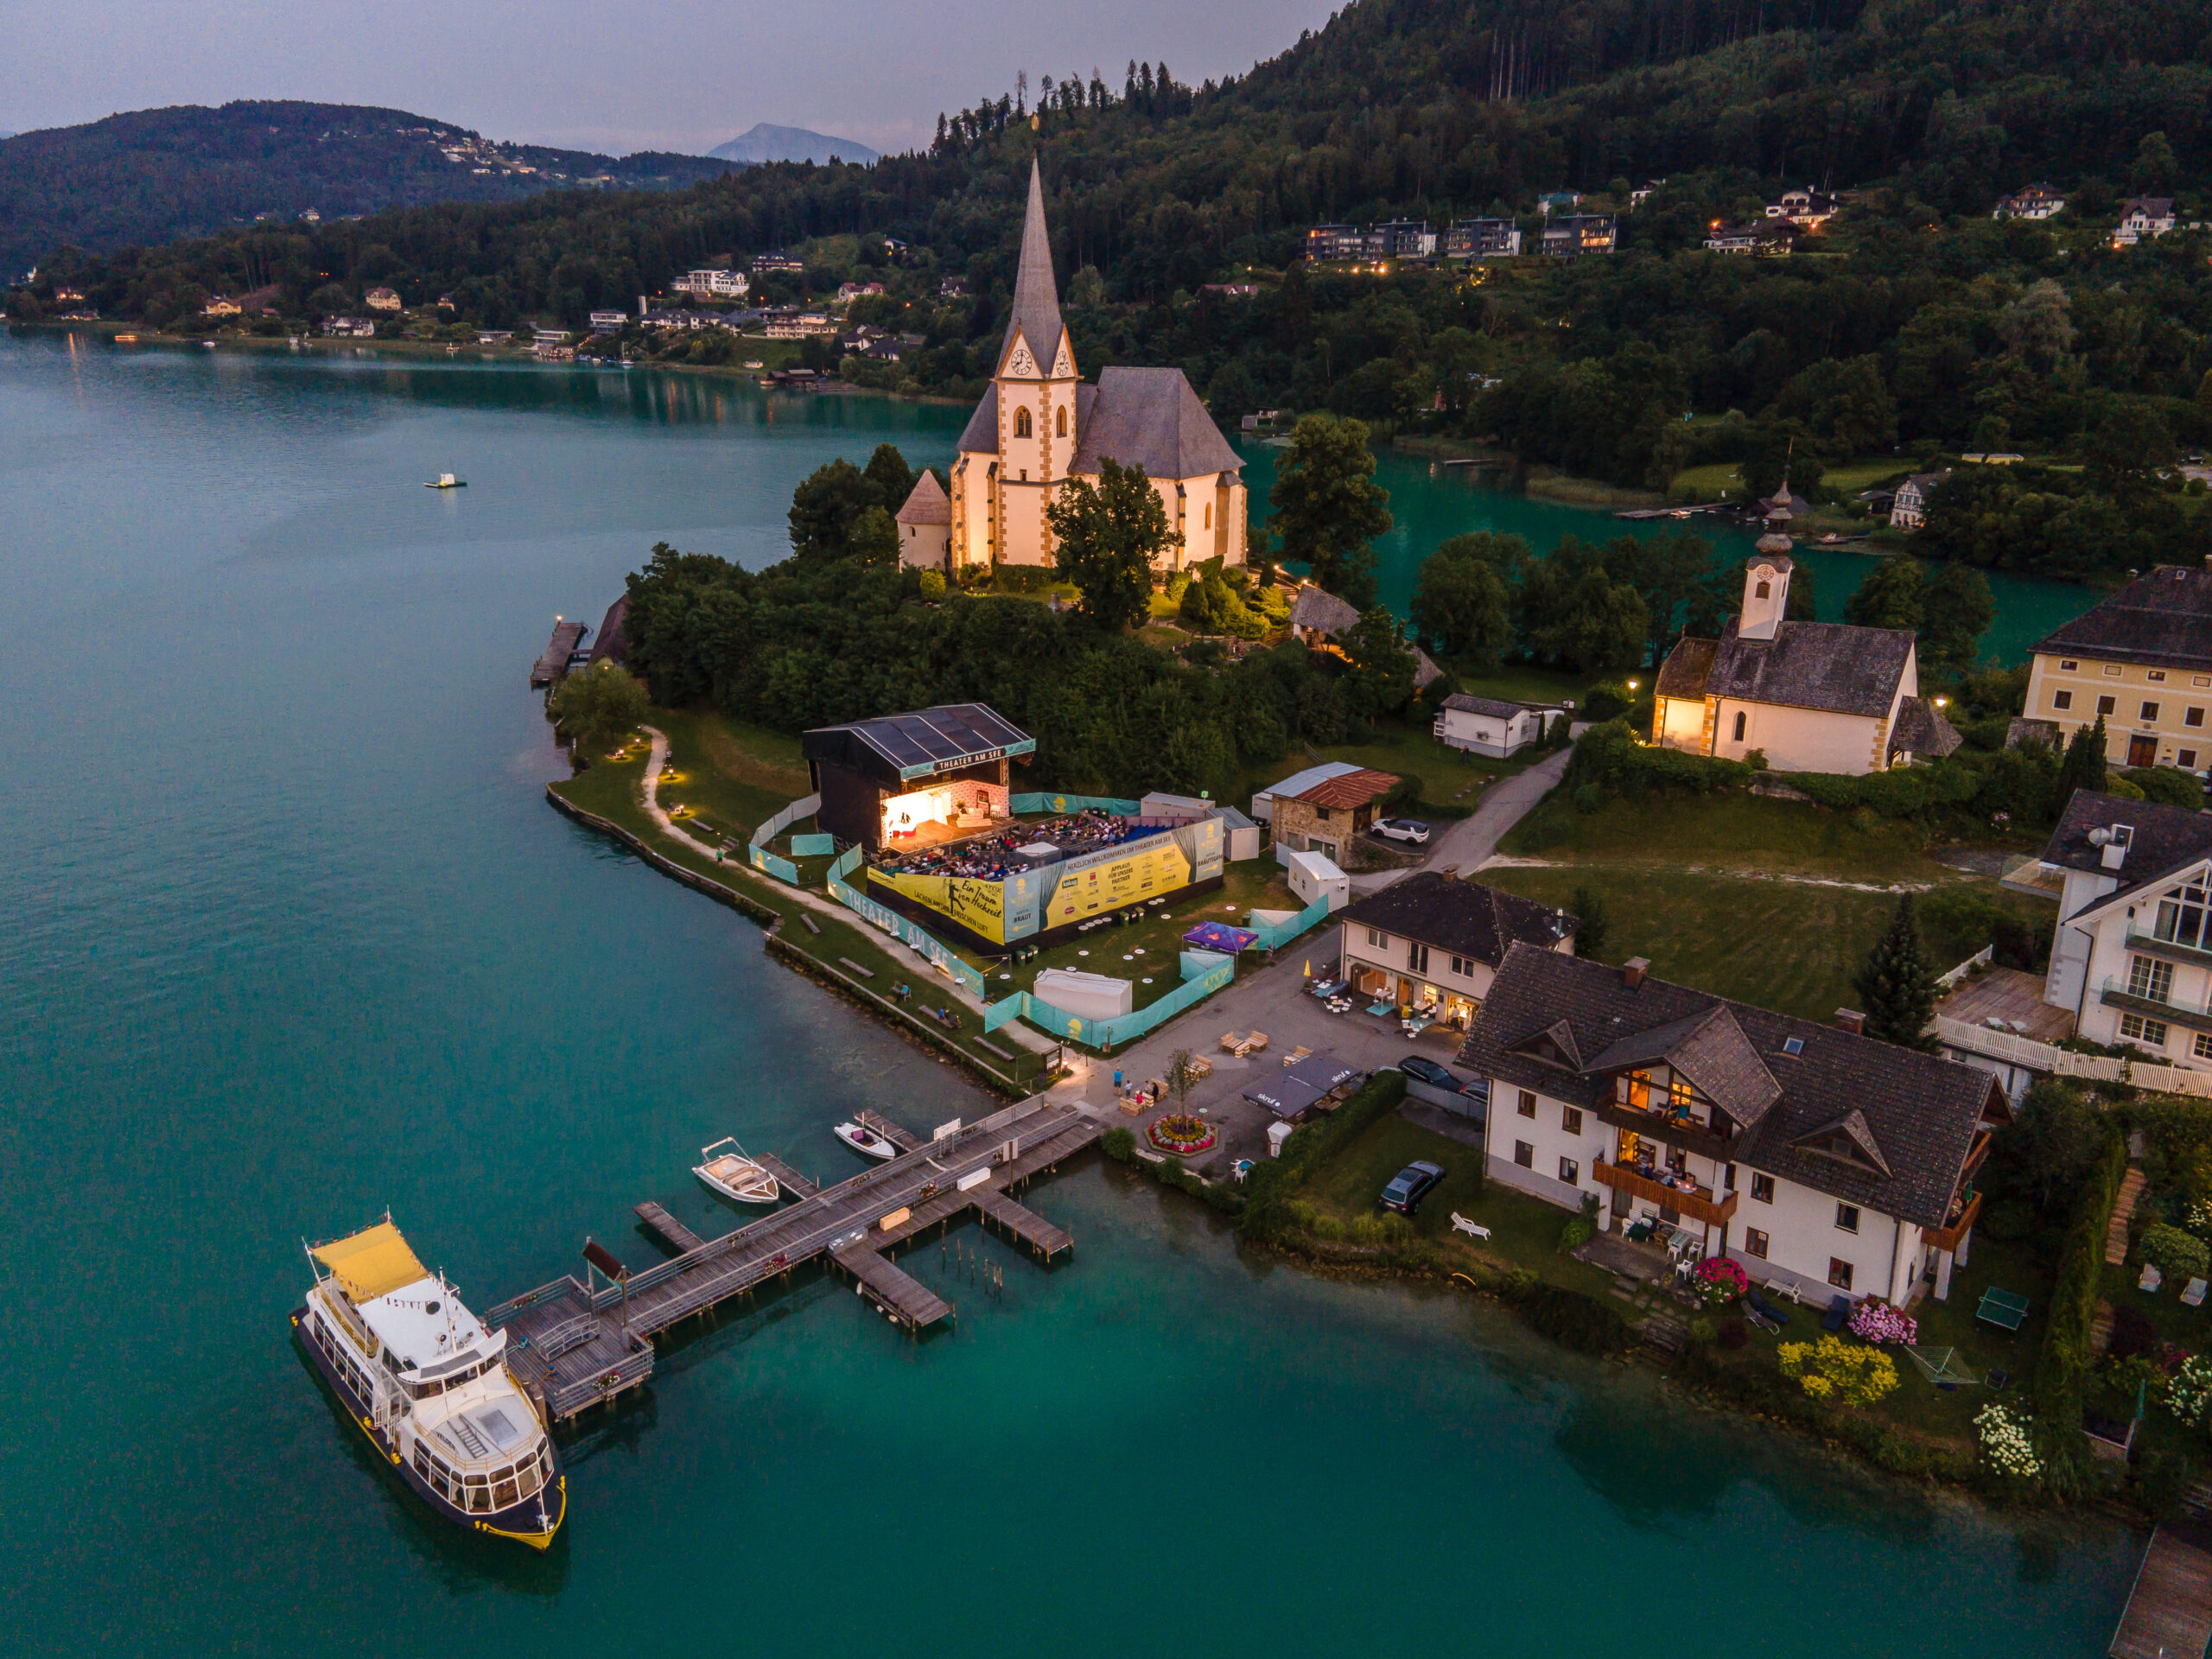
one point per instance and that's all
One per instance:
(1060, 423)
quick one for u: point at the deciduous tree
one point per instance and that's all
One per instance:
(1328, 508)
(1106, 539)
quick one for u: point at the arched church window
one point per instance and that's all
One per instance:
(1060, 423)
(1020, 422)
(1760, 591)
(1209, 524)
(1739, 725)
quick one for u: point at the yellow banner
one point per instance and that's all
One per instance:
(1122, 881)
(979, 906)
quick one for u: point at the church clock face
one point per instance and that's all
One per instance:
(1021, 363)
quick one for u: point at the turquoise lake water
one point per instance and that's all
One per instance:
(293, 937)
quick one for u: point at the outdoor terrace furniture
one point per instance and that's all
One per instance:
(1839, 1311)
(1461, 1225)
(2192, 1294)
(1766, 1307)
(1756, 1317)
(2151, 1279)
(2004, 1309)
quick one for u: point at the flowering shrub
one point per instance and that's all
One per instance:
(1180, 1133)
(2199, 1219)
(1832, 1370)
(2006, 1442)
(1719, 1280)
(2191, 1390)
(1876, 1321)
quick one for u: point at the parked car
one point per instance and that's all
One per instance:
(1411, 829)
(1419, 1065)
(1408, 1187)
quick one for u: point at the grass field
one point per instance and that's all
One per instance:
(1734, 832)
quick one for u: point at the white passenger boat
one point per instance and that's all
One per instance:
(447, 481)
(735, 1176)
(430, 1387)
(865, 1140)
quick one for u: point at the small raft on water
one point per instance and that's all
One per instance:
(447, 481)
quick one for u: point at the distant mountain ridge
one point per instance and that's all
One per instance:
(154, 175)
(765, 142)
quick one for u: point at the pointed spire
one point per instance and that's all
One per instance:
(1036, 296)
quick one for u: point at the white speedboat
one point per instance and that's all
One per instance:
(865, 1140)
(430, 1387)
(735, 1176)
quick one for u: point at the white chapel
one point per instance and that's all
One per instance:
(1038, 425)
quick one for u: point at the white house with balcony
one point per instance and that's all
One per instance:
(2133, 957)
(1430, 944)
(1820, 1160)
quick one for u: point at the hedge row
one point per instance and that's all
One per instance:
(1269, 1187)
(2061, 1383)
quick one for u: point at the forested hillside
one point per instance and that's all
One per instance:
(1911, 329)
(154, 175)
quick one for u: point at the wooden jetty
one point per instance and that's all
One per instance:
(573, 1344)
(1672, 512)
(2169, 1612)
(554, 662)
(787, 1178)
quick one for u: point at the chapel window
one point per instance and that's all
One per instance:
(1060, 423)
(1021, 424)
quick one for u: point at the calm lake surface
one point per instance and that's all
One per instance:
(293, 937)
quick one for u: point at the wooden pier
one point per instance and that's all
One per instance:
(2169, 1612)
(575, 1344)
(787, 1178)
(894, 1133)
(554, 662)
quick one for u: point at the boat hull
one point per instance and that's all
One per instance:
(525, 1522)
(768, 1192)
(876, 1147)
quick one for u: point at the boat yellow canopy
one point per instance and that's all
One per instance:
(372, 1263)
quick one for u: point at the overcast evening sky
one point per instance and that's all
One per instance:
(614, 75)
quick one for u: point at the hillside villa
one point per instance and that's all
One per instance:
(1820, 1160)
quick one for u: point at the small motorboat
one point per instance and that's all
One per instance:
(735, 1176)
(865, 1140)
(447, 481)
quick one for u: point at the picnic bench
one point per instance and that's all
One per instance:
(2002, 1308)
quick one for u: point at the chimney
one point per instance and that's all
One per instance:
(2116, 841)
(1852, 1020)
(1634, 970)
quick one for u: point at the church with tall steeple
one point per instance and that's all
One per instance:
(1040, 425)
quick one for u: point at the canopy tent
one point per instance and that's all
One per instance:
(1219, 936)
(371, 1264)
(1286, 1096)
(1324, 1071)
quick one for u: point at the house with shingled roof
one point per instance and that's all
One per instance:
(1430, 945)
(1038, 425)
(1820, 1160)
(1809, 696)
(1330, 813)
(925, 526)
(2141, 661)
(1492, 725)
(2131, 960)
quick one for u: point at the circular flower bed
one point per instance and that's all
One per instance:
(1180, 1133)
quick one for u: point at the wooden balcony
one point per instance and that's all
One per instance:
(1700, 1206)
(1947, 1238)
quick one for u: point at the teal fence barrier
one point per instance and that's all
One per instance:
(933, 949)
(782, 869)
(1202, 962)
(1028, 806)
(814, 846)
(1274, 933)
(1121, 1027)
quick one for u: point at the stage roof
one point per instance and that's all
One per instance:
(921, 744)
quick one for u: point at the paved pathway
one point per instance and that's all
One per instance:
(1465, 842)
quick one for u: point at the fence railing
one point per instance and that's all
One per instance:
(782, 869)
(1117, 1028)
(2065, 1063)
(1274, 933)
(1025, 805)
(933, 949)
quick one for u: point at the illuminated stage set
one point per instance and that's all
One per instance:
(928, 797)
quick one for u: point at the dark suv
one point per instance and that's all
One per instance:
(1406, 1187)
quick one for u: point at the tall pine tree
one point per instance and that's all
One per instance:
(2082, 767)
(1896, 987)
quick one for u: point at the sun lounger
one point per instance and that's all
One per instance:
(1766, 1307)
(2151, 1279)
(1839, 1311)
(1756, 1317)
(2192, 1293)
(1461, 1225)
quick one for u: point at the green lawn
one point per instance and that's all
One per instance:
(1449, 777)
(1734, 832)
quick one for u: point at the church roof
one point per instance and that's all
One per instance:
(1150, 418)
(1036, 296)
(1826, 665)
(980, 436)
(928, 505)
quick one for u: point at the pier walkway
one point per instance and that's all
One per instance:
(554, 662)
(575, 1344)
(2169, 1612)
